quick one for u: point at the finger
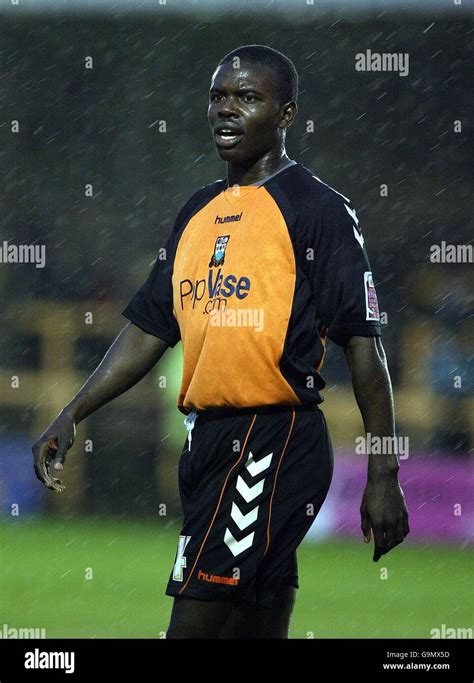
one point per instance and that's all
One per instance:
(389, 540)
(56, 483)
(42, 455)
(379, 543)
(58, 486)
(392, 539)
(53, 482)
(399, 531)
(60, 457)
(365, 526)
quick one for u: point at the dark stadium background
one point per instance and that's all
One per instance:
(106, 548)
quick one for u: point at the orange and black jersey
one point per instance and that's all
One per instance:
(252, 280)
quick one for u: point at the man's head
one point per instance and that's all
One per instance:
(253, 94)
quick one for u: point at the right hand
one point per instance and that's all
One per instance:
(50, 451)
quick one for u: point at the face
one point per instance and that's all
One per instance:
(244, 113)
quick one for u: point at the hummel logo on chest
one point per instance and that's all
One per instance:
(228, 219)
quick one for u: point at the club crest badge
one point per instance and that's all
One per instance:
(219, 251)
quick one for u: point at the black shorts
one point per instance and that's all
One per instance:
(251, 484)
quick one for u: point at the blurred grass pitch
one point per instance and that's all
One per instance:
(44, 565)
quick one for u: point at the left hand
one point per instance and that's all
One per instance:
(383, 510)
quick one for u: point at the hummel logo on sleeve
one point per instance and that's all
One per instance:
(357, 234)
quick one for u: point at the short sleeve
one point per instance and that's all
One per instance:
(151, 308)
(340, 274)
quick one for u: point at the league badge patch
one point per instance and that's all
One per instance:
(371, 303)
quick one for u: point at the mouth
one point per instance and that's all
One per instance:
(227, 137)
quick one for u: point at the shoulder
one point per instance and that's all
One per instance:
(301, 194)
(196, 201)
(315, 213)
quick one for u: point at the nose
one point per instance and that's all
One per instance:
(227, 108)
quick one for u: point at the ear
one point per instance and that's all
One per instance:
(288, 114)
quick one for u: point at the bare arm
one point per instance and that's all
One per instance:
(127, 361)
(129, 358)
(383, 508)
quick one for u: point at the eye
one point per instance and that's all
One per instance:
(214, 97)
(249, 98)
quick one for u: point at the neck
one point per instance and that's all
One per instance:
(255, 170)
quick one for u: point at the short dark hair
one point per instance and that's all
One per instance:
(283, 67)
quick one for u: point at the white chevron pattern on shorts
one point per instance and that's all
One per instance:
(243, 521)
(249, 493)
(237, 547)
(257, 467)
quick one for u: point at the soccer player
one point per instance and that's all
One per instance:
(261, 268)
